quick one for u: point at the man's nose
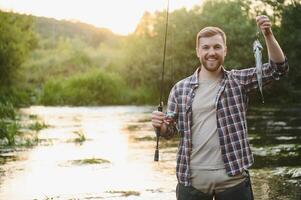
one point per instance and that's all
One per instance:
(211, 51)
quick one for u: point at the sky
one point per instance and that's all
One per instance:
(121, 16)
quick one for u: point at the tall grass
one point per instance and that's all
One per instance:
(95, 87)
(8, 125)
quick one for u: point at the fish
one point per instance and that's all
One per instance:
(257, 48)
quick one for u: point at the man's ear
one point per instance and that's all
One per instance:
(197, 52)
(226, 50)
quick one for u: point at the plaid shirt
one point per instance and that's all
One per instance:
(231, 107)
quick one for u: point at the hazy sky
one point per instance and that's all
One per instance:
(121, 16)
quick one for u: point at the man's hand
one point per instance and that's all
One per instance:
(264, 23)
(157, 119)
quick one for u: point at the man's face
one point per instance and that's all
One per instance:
(212, 52)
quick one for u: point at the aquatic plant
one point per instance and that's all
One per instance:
(37, 126)
(124, 193)
(8, 126)
(90, 161)
(81, 136)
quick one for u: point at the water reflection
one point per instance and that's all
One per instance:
(52, 169)
(107, 153)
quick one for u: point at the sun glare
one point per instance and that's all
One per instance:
(118, 15)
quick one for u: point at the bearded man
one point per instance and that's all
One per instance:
(208, 111)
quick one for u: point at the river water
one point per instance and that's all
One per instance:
(107, 153)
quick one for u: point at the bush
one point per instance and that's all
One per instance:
(8, 125)
(93, 88)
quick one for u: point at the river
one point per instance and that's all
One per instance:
(107, 153)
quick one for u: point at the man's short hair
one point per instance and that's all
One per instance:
(210, 31)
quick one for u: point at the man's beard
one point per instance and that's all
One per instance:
(212, 66)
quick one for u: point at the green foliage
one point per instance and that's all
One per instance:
(18, 94)
(16, 41)
(144, 49)
(8, 125)
(93, 88)
(141, 95)
(8, 130)
(231, 17)
(78, 64)
(37, 126)
(290, 40)
(52, 30)
(7, 111)
(67, 58)
(81, 137)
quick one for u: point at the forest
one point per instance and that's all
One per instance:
(45, 61)
(51, 62)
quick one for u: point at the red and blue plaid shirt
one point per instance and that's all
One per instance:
(231, 107)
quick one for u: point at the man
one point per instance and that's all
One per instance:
(208, 110)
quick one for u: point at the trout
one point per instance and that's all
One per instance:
(257, 48)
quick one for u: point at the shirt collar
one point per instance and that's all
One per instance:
(195, 76)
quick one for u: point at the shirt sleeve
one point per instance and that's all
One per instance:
(270, 71)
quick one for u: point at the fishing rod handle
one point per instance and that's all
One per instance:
(157, 130)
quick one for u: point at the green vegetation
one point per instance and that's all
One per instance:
(92, 88)
(124, 193)
(10, 127)
(78, 64)
(133, 63)
(17, 40)
(51, 62)
(8, 124)
(90, 161)
(37, 126)
(46, 61)
(81, 137)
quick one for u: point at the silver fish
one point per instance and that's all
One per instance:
(257, 48)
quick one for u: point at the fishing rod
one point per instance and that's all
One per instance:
(160, 106)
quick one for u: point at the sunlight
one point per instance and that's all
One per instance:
(119, 16)
(127, 167)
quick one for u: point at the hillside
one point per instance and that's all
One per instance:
(67, 48)
(54, 29)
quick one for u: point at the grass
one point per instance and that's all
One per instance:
(97, 87)
(125, 193)
(33, 116)
(81, 136)
(90, 161)
(37, 126)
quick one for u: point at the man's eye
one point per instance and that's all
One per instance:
(205, 47)
(218, 47)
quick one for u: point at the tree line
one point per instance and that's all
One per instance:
(43, 61)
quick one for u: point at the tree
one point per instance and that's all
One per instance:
(290, 40)
(16, 41)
